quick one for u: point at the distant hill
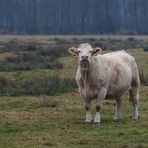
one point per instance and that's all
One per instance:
(74, 17)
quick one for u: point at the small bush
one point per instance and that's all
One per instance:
(54, 65)
(146, 49)
(3, 81)
(18, 61)
(54, 51)
(92, 40)
(131, 39)
(143, 79)
(45, 102)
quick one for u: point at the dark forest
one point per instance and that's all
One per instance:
(74, 17)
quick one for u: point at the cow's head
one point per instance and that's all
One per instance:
(85, 53)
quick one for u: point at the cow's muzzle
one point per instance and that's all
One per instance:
(84, 63)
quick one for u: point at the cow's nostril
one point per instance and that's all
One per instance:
(84, 57)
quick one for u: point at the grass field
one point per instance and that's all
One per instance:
(24, 122)
(58, 121)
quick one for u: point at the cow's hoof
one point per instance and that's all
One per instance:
(97, 123)
(135, 118)
(88, 121)
(117, 119)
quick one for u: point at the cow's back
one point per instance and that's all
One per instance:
(123, 71)
(120, 56)
(123, 58)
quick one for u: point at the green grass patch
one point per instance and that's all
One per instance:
(25, 122)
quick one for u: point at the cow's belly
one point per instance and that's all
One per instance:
(120, 81)
(119, 88)
(113, 92)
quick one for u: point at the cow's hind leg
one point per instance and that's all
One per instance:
(134, 96)
(118, 109)
(88, 112)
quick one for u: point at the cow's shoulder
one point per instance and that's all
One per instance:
(119, 56)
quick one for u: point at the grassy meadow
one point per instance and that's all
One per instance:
(39, 101)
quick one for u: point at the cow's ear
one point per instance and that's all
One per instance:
(73, 51)
(96, 51)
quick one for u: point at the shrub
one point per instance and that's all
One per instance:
(16, 45)
(38, 85)
(3, 81)
(18, 61)
(143, 78)
(27, 60)
(131, 39)
(54, 65)
(45, 102)
(54, 51)
(146, 49)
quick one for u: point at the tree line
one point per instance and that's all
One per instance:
(73, 16)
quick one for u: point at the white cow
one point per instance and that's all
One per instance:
(111, 74)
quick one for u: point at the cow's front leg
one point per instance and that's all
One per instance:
(99, 102)
(88, 112)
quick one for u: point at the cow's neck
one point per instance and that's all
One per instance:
(88, 81)
(85, 72)
(88, 74)
(84, 79)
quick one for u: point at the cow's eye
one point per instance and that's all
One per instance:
(79, 51)
(90, 51)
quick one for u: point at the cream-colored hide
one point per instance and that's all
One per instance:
(101, 75)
